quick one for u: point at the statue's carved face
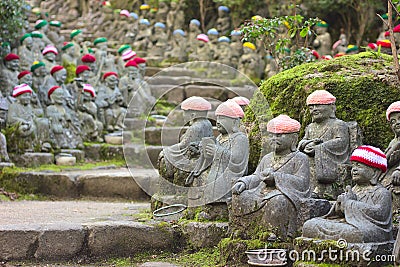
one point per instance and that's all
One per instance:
(25, 99)
(320, 113)
(281, 142)
(27, 79)
(395, 122)
(321, 30)
(60, 76)
(41, 71)
(50, 56)
(133, 71)
(225, 124)
(111, 81)
(361, 173)
(28, 42)
(84, 75)
(12, 64)
(58, 96)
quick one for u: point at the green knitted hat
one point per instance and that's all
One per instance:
(322, 24)
(66, 46)
(351, 48)
(55, 23)
(37, 64)
(40, 23)
(36, 34)
(26, 35)
(74, 33)
(122, 48)
(100, 40)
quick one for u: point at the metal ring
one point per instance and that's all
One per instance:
(182, 208)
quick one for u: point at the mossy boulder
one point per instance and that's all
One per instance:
(364, 84)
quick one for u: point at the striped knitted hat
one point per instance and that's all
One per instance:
(21, 89)
(370, 156)
(50, 49)
(88, 88)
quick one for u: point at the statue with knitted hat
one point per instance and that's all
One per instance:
(273, 194)
(42, 26)
(323, 41)
(30, 131)
(110, 102)
(125, 54)
(224, 21)
(25, 51)
(38, 45)
(50, 53)
(391, 178)
(250, 63)
(222, 161)
(327, 144)
(26, 77)
(9, 74)
(175, 16)
(129, 85)
(362, 214)
(39, 77)
(104, 60)
(63, 125)
(90, 61)
(177, 161)
(54, 34)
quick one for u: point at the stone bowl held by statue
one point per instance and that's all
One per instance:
(65, 159)
(267, 257)
(113, 138)
(169, 213)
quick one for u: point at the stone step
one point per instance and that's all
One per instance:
(74, 230)
(116, 183)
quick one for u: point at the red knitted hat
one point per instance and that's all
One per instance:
(131, 63)
(88, 58)
(139, 60)
(51, 90)
(196, 103)
(109, 74)
(371, 156)
(81, 68)
(23, 73)
(10, 57)
(229, 109)
(55, 69)
(21, 89)
(283, 124)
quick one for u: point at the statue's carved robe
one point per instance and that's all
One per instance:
(278, 205)
(366, 220)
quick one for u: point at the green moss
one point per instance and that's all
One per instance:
(363, 84)
(163, 107)
(314, 264)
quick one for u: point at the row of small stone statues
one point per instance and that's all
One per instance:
(41, 111)
(287, 190)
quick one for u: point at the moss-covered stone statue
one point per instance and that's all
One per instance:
(109, 100)
(25, 51)
(222, 160)
(63, 126)
(160, 41)
(9, 74)
(363, 213)
(323, 41)
(271, 197)
(326, 143)
(202, 51)
(30, 132)
(178, 53)
(50, 53)
(391, 178)
(176, 162)
(250, 63)
(224, 22)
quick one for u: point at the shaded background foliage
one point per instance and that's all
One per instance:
(12, 16)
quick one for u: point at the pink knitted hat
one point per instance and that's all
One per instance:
(128, 54)
(125, 13)
(196, 103)
(203, 37)
(229, 109)
(394, 107)
(88, 88)
(50, 49)
(241, 100)
(371, 156)
(320, 97)
(21, 89)
(283, 124)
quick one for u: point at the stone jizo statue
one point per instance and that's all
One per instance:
(25, 51)
(177, 161)
(49, 57)
(224, 20)
(323, 41)
(222, 160)
(9, 74)
(326, 142)
(273, 194)
(363, 213)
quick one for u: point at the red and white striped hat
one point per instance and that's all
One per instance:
(370, 156)
(50, 48)
(196, 103)
(88, 88)
(21, 89)
(128, 54)
(394, 107)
